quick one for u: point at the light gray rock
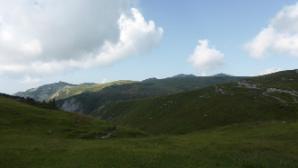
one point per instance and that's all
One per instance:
(247, 85)
(71, 106)
(290, 92)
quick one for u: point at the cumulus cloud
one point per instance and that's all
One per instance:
(205, 58)
(50, 36)
(280, 36)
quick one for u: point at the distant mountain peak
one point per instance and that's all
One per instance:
(150, 79)
(63, 83)
(42, 93)
(183, 75)
(88, 83)
(222, 75)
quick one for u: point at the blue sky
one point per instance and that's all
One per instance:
(227, 25)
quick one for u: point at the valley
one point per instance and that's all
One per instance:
(244, 122)
(148, 84)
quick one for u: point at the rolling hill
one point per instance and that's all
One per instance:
(85, 87)
(19, 116)
(34, 137)
(91, 102)
(243, 124)
(257, 99)
(62, 90)
(44, 92)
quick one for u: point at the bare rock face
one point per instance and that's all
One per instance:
(71, 106)
(45, 92)
(247, 85)
(290, 92)
(219, 90)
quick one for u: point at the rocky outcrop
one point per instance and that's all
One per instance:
(245, 84)
(275, 90)
(71, 105)
(45, 92)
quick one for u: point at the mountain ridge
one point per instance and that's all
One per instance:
(61, 89)
(249, 122)
(264, 98)
(89, 102)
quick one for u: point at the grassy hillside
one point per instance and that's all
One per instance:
(265, 98)
(284, 80)
(79, 89)
(43, 93)
(62, 90)
(219, 134)
(251, 145)
(90, 102)
(25, 119)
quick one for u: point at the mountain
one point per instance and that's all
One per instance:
(20, 116)
(85, 87)
(266, 98)
(92, 102)
(242, 124)
(44, 92)
(184, 76)
(221, 75)
(34, 137)
(63, 90)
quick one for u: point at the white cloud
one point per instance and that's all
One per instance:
(205, 58)
(30, 81)
(50, 36)
(270, 71)
(280, 36)
(136, 36)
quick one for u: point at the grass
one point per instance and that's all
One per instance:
(242, 128)
(201, 109)
(26, 119)
(250, 145)
(214, 106)
(33, 137)
(79, 89)
(90, 102)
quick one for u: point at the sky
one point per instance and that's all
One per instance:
(78, 41)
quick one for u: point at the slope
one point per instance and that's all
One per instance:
(90, 102)
(36, 137)
(85, 87)
(24, 119)
(44, 92)
(62, 90)
(265, 98)
(252, 145)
